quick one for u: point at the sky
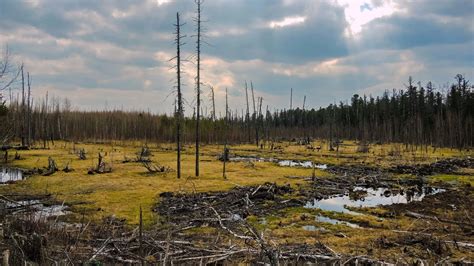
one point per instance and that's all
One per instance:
(116, 53)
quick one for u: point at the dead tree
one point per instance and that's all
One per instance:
(45, 118)
(82, 154)
(331, 130)
(23, 120)
(259, 123)
(198, 81)
(254, 115)
(248, 110)
(28, 142)
(179, 108)
(8, 74)
(52, 167)
(155, 168)
(226, 151)
(213, 116)
(102, 167)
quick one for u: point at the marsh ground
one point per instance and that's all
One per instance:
(382, 232)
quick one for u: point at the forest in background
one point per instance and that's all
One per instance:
(417, 115)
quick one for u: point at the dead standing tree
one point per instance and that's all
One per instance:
(254, 115)
(28, 141)
(213, 115)
(8, 75)
(198, 81)
(248, 111)
(226, 151)
(179, 108)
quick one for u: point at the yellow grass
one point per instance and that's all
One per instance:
(130, 186)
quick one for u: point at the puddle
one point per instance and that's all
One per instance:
(324, 219)
(313, 228)
(373, 198)
(8, 174)
(304, 164)
(283, 163)
(34, 207)
(251, 159)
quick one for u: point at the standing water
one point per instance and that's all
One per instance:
(10, 174)
(373, 198)
(303, 164)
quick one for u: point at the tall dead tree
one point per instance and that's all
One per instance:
(254, 115)
(28, 142)
(248, 110)
(179, 108)
(44, 122)
(259, 120)
(213, 116)
(198, 81)
(23, 120)
(226, 119)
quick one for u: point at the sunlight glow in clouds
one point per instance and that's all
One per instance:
(287, 21)
(328, 50)
(161, 2)
(360, 12)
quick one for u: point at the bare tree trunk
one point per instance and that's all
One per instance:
(29, 110)
(179, 113)
(259, 120)
(225, 155)
(254, 115)
(198, 82)
(213, 105)
(45, 125)
(248, 111)
(23, 120)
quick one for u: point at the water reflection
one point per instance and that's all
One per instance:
(10, 174)
(324, 219)
(304, 164)
(373, 198)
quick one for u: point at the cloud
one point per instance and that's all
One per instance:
(118, 51)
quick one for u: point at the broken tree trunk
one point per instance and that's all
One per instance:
(52, 167)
